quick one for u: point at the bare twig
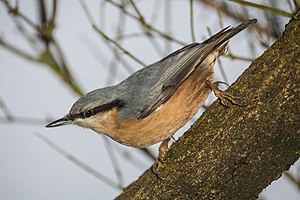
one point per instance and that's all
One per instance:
(6, 111)
(146, 25)
(114, 161)
(79, 163)
(106, 37)
(56, 63)
(297, 5)
(54, 7)
(147, 33)
(16, 51)
(221, 6)
(116, 54)
(168, 24)
(293, 179)
(131, 159)
(137, 10)
(22, 120)
(264, 8)
(87, 12)
(192, 21)
(233, 56)
(10, 118)
(219, 14)
(117, 45)
(14, 11)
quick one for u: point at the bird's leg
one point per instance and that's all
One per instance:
(222, 95)
(163, 148)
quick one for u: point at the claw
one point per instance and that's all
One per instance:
(222, 95)
(163, 148)
(217, 83)
(155, 168)
(173, 138)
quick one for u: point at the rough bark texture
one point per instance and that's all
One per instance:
(236, 152)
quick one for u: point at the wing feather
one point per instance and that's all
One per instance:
(180, 64)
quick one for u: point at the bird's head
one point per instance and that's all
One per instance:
(91, 110)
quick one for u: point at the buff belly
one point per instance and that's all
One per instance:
(165, 121)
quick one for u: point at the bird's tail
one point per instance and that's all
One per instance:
(224, 35)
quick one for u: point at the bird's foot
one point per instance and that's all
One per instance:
(222, 95)
(163, 148)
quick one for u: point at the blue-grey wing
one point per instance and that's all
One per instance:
(179, 65)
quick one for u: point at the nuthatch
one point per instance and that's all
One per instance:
(153, 103)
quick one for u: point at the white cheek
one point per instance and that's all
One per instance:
(93, 121)
(85, 122)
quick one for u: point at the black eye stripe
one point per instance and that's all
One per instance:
(102, 108)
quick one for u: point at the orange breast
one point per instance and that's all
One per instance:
(163, 123)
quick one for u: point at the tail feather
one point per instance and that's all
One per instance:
(224, 35)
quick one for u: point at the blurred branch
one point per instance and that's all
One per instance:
(264, 8)
(10, 118)
(293, 179)
(14, 11)
(106, 37)
(131, 159)
(137, 11)
(233, 56)
(130, 35)
(79, 163)
(192, 21)
(117, 58)
(54, 6)
(146, 25)
(147, 33)
(222, 6)
(297, 5)
(220, 16)
(17, 51)
(22, 120)
(52, 57)
(6, 111)
(114, 161)
(42, 12)
(155, 11)
(126, 52)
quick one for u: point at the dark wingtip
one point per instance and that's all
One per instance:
(224, 35)
(235, 30)
(244, 25)
(253, 21)
(249, 22)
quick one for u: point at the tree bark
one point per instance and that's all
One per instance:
(236, 152)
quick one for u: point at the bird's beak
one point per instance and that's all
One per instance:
(60, 122)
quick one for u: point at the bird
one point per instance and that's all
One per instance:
(151, 104)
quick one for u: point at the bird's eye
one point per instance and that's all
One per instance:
(88, 113)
